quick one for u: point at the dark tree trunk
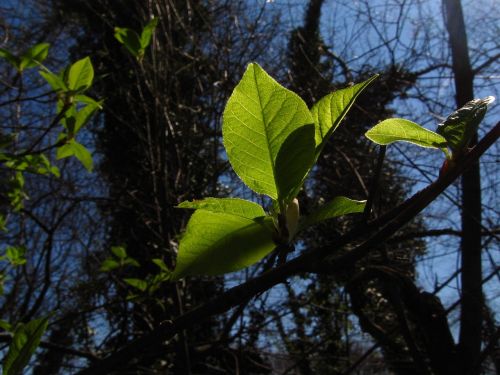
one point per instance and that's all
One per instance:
(471, 276)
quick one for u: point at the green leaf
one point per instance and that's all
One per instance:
(147, 33)
(330, 110)
(258, 118)
(461, 125)
(234, 206)
(3, 223)
(161, 264)
(294, 160)
(6, 326)
(80, 98)
(119, 252)
(16, 255)
(55, 81)
(129, 38)
(218, 243)
(24, 343)
(83, 116)
(397, 129)
(338, 206)
(14, 60)
(80, 75)
(109, 265)
(142, 285)
(34, 56)
(73, 148)
(82, 154)
(131, 262)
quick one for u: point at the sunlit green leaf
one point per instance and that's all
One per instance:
(217, 243)
(83, 116)
(258, 118)
(397, 129)
(34, 56)
(55, 81)
(147, 33)
(73, 148)
(233, 206)
(330, 110)
(80, 98)
(80, 75)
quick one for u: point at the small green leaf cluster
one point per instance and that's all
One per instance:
(121, 259)
(272, 140)
(15, 255)
(151, 283)
(118, 259)
(454, 134)
(136, 44)
(31, 58)
(74, 110)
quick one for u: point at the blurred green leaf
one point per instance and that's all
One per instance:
(16, 255)
(6, 326)
(129, 38)
(119, 252)
(161, 264)
(147, 33)
(24, 343)
(34, 56)
(109, 264)
(137, 283)
(14, 60)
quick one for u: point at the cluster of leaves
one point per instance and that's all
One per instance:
(136, 44)
(74, 110)
(272, 141)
